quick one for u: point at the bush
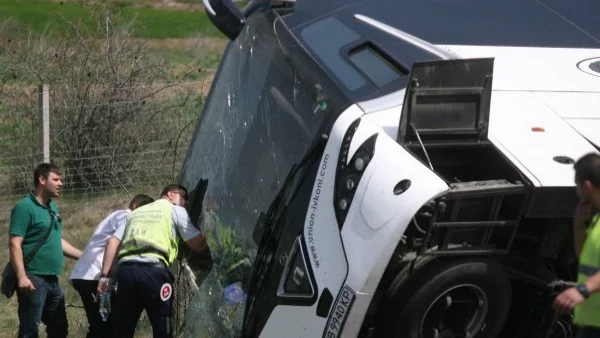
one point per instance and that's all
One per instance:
(117, 111)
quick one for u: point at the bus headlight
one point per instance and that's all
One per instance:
(349, 172)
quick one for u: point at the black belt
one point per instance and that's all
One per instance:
(145, 264)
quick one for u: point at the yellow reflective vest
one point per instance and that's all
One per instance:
(588, 312)
(149, 233)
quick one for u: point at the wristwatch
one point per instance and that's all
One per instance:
(583, 290)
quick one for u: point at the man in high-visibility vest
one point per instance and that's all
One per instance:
(584, 298)
(148, 247)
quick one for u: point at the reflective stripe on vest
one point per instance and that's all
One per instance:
(588, 312)
(149, 233)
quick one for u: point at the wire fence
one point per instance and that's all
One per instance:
(104, 149)
(113, 114)
(107, 150)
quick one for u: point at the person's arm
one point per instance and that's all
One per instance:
(197, 244)
(110, 251)
(20, 219)
(571, 297)
(16, 257)
(191, 235)
(69, 250)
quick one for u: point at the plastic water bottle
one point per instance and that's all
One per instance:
(105, 299)
(105, 305)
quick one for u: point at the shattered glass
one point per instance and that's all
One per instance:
(260, 119)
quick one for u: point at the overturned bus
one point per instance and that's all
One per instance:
(392, 168)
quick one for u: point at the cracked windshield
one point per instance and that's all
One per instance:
(260, 119)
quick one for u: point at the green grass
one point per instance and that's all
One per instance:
(191, 56)
(41, 16)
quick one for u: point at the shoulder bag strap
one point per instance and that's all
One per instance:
(39, 244)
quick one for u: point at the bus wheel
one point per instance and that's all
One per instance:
(463, 298)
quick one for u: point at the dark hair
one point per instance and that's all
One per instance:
(139, 200)
(587, 168)
(44, 170)
(174, 187)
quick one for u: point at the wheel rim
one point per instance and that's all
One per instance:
(459, 311)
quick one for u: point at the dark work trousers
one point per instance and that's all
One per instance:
(46, 304)
(96, 327)
(589, 332)
(143, 286)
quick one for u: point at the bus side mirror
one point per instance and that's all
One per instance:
(226, 16)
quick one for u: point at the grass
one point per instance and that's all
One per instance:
(188, 56)
(40, 16)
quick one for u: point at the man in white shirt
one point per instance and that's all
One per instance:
(86, 273)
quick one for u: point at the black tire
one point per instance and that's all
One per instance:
(435, 293)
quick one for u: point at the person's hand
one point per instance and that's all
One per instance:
(567, 300)
(25, 284)
(103, 285)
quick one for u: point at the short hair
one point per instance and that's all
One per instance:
(44, 170)
(587, 168)
(173, 187)
(139, 200)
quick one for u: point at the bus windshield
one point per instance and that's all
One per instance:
(260, 119)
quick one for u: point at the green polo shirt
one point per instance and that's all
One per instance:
(30, 219)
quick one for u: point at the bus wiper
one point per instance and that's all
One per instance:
(268, 229)
(266, 221)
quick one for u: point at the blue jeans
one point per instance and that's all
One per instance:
(46, 304)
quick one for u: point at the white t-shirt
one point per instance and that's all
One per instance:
(89, 266)
(182, 223)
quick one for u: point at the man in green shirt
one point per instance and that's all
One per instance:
(40, 296)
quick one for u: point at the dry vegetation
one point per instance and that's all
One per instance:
(173, 5)
(117, 104)
(83, 73)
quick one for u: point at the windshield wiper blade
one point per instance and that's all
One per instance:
(269, 223)
(265, 221)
